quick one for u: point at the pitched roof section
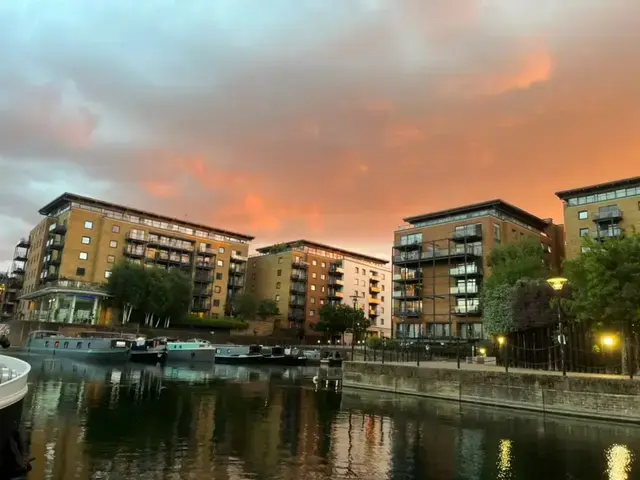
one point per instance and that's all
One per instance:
(308, 243)
(599, 188)
(498, 204)
(67, 197)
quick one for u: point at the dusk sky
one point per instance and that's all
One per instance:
(329, 120)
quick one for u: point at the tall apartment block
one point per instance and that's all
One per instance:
(68, 256)
(302, 276)
(440, 263)
(600, 211)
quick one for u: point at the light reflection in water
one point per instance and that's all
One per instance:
(504, 459)
(619, 459)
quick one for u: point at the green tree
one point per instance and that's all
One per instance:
(127, 286)
(512, 267)
(605, 282)
(337, 319)
(245, 306)
(267, 308)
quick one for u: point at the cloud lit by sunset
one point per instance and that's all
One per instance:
(313, 119)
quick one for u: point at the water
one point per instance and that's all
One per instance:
(231, 423)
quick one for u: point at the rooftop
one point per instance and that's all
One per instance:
(307, 243)
(498, 204)
(66, 198)
(599, 188)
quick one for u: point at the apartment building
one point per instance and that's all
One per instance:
(600, 211)
(440, 262)
(62, 267)
(302, 276)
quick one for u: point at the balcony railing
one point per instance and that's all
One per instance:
(169, 244)
(466, 310)
(375, 278)
(237, 283)
(297, 302)
(54, 244)
(237, 272)
(336, 282)
(201, 306)
(58, 228)
(438, 254)
(607, 215)
(375, 300)
(463, 289)
(204, 265)
(414, 293)
(298, 287)
(467, 233)
(407, 277)
(335, 293)
(299, 276)
(137, 237)
(206, 251)
(405, 244)
(408, 313)
(24, 243)
(198, 278)
(373, 312)
(373, 289)
(74, 285)
(471, 269)
(300, 264)
(612, 232)
(336, 270)
(132, 251)
(237, 257)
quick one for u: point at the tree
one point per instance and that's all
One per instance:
(605, 281)
(267, 308)
(245, 306)
(337, 319)
(512, 267)
(533, 304)
(127, 286)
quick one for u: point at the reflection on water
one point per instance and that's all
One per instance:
(231, 422)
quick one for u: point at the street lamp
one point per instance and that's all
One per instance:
(558, 283)
(353, 325)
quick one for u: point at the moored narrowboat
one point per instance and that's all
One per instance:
(238, 354)
(193, 351)
(86, 347)
(152, 351)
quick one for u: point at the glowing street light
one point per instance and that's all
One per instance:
(501, 341)
(608, 341)
(558, 283)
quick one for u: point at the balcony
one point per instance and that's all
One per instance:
(57, 260)
(466, 270)
(375, 278)
(469, 233)
(463, 290)
(299, 276)
(406, 245)
(611, 232)
(137, 237)
(57, 229)
(235, 257)
(336, 282)
(236, 272)
(336, 270)
(236, 284)
(18, 270)
(296, 316)
(133, 252)
(204, 265)
(408, 313)
(24, 243)
(51, 276)
(373, 312)
(202, 292)
(168, 244)
(373, 289)
(300, 264)
(15, 283)
(410, 294)
(20, 256)
(410, 277)
(171, 259)
(375, 300)
(200, 278)
(464, 310)
(299, 287)
(610, 215)
(206, 252)
(335, 294)
(54, 244)
(201, 306)
(297, 302)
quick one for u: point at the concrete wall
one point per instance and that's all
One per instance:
(594, 397)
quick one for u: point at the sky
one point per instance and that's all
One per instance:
(329, 120)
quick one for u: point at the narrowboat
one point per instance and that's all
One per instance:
(193, 350)
(281, 356)
(294, 357)
(152, 351)
(331, 359)
(13, 388)
(238, 354)
(87, 347)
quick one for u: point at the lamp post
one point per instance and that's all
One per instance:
(558, 283)
(353, 324)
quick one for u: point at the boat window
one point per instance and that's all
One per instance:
(46, 344)
(217, 350)
(89, 345)
(57, 344)
(228, 350)
(66, 344)
(79, 345)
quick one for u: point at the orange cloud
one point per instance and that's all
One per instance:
(160, 189)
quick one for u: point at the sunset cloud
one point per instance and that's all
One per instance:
(322, 119)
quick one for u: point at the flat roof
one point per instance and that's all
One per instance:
(67, 197)
(308, 243)
(518, 213)
(598, 188)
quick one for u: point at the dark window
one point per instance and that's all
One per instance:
(66, 344)
(57, 344)
(216, 303)
(79, 345)
(46, 344)
(218, 275)
(80, 271)
(279, 273)
(584, 232)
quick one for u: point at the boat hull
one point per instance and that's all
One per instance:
(285, 360)
(95, 356)
(331, 362)
(149, 357)
(240, 359)
(199, 355)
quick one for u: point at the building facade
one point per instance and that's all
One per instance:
(303, 276)
(63, 265)
(600, 211)
(440, 263)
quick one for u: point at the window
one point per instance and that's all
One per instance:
(383, 276)
(278, 285)
(322, 288)
(314, 262)
(313, 299)
(80, 272)
(279, 273)
(113, 244)
(253, 276)
(314, 275)
(111, 259)
(220, 263)
(584, 232)
(382, 299)
(382, 288)
(277, 297)
(83, 255)
(216, 302)
(221, 250)
(321, 301)
(355, 293)
(312, 313)
(323, 276)
(363, 283)
(86, 240)
(381, 310)
(583, 214)
(364, 272)
(115, 229)
(324, 265)
(279, 259)
(497, 234)
(313, 288)
(357, 270)
(217, 289)
(107, 273)
(219, 276)
(88, 225)
(356, 282)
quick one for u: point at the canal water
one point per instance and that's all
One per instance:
(233, 422)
